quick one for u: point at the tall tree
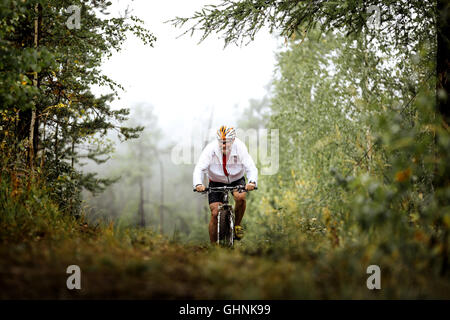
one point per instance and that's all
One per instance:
(137, 164)
(50, 58)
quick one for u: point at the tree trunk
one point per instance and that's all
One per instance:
(56, 142)
(33, 133)
(43, 145)
(161, 205)
(141, 203)
(202, 209)
(442, 83)
(72, 147)
(442, 179)
(73, 152)
(442, 63)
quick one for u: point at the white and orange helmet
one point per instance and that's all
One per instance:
(226, 134)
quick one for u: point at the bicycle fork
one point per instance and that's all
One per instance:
(218, 227)
(232, 229)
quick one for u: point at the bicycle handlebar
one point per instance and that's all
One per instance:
(224, 188)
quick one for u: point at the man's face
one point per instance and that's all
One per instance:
(225, 145)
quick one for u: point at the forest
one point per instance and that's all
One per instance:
(352, 150)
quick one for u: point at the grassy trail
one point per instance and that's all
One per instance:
(136, 264)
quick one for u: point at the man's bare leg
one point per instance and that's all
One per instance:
(214, 207)
(240, 204)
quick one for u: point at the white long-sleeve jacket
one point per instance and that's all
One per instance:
(238, 162)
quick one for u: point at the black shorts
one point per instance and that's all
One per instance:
(218, 196)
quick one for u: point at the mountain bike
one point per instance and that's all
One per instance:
(225, 215)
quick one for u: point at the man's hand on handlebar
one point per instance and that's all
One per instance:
(250, 186)
(200, 188)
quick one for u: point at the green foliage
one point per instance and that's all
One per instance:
(27, 211)
(362, 151)
(51, 80)
(116, 261)
(363, 171)
(241, 20)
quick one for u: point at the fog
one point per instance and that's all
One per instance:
(186, 88)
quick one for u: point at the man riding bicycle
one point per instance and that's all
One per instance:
(225, 163)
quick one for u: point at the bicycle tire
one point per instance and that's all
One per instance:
(225, 232)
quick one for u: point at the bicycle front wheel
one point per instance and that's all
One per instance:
(225, 226)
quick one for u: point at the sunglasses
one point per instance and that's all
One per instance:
(229, 141)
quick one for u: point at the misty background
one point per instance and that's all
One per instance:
(180, 91)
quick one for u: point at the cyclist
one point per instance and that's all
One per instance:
(225, 161)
